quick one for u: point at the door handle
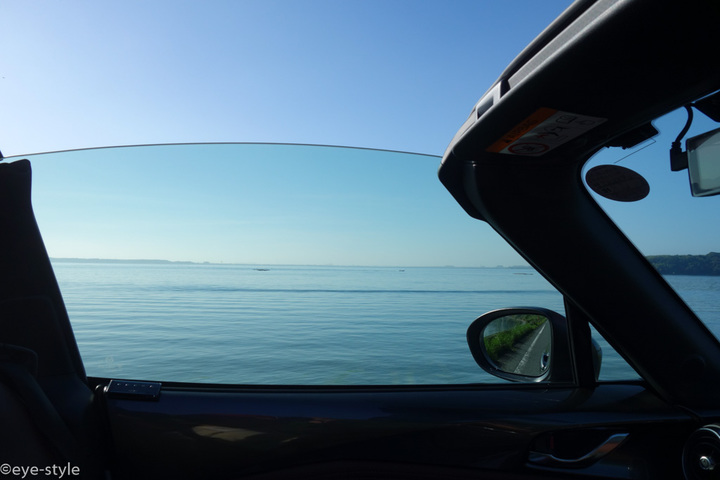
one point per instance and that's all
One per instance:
(550, 460)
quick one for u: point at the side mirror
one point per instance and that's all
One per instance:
(522, 345)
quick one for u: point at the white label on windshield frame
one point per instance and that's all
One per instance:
(543, 131)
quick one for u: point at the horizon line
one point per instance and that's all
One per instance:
(190, 262)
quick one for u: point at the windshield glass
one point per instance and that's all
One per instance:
(677, 232)
(272, 264)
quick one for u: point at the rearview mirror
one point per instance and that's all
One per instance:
(703, 155)
(522, 345)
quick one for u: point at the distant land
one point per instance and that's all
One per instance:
(665, 264)
(115, 260)
(186, 262)
(687, 264)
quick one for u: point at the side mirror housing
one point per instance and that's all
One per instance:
(522, 345)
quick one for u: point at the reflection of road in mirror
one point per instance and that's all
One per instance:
(528, 356)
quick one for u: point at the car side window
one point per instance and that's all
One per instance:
(273, 264)
(613, 366)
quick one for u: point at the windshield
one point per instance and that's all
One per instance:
(678, 233)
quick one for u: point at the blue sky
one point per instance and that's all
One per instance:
(395, 74)
(398, 74)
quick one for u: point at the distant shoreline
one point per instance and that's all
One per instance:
(185, 262)
(700, 265)
(118, 260)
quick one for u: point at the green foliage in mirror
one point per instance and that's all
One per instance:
(519, 344)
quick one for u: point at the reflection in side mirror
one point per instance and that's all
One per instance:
(519, 344)
(703, 154)
(523, 344)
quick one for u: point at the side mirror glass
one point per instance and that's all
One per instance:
(703, 154)
(522, 345)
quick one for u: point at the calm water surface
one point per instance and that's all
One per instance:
(246, 324)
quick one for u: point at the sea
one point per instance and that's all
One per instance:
(306, 325)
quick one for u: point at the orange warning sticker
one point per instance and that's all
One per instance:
(542, 131)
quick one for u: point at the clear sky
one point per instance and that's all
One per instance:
(394, 74)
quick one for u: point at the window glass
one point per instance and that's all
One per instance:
(613, 366)
(272, 264)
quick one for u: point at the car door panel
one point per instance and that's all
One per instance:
(222, 432)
